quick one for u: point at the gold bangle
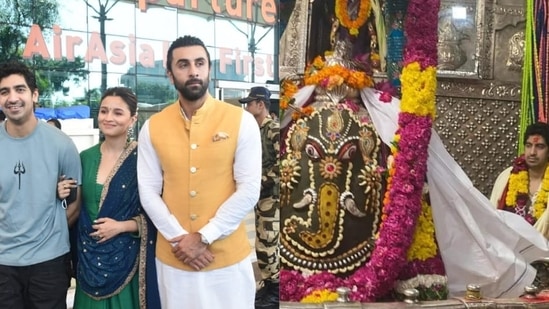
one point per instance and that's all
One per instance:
(139, 222)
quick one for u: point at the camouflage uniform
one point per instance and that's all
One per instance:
(267, 211)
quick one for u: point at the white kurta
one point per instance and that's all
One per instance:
(499, 186)
(230, 287)
(542, 224)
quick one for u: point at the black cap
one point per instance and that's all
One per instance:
(257, 93)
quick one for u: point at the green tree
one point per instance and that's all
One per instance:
(102, 10)
(59, 71)
(20, 15)
(155, 93)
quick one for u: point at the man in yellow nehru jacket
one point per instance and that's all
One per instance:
(199, 173)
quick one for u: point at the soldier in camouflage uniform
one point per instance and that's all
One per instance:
(267, 212)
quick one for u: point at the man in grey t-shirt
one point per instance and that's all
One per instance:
(34, 239)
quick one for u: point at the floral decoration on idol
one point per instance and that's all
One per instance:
(332, 75)
(405, 251)
(288, 89)
(327, 77)
(397, 244)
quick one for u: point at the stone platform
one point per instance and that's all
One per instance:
(455, 303)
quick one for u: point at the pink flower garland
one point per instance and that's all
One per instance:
(377, 277)
(421, 26)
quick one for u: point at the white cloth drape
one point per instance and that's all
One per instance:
(479, 244)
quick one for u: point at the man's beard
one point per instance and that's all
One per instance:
(194, 91)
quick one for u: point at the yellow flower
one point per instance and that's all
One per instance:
(320, 296)
(518, 185)
(539, 205)
(318, 63)
(334, 81)
(418, 90)
(423, 244)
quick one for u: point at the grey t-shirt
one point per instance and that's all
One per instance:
(33, 224)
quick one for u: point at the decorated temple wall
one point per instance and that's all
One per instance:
(478, 123)
(478, 114)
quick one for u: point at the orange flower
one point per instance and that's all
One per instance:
(318, 63)
(307, 110)
(354, 79)
(289, 89)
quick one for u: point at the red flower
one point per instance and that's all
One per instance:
(385, 97)
(519, 164)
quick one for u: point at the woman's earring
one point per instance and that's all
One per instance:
(130, 135)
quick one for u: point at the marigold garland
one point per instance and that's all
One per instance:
(304, 111)
(289, 89)
(325, 76)
(419, 88)
(424, 244)
(342, 14)
(329, 76)
(320, 296)
(518, 181)
(518, 191)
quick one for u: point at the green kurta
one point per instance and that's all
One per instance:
(128, 298)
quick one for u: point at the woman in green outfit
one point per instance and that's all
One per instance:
(115, 240)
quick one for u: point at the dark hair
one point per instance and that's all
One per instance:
(55, 122)
(265, 101)
(538, 128)
(126, 94)
(2, 116)
(185, 41)
(16, 67)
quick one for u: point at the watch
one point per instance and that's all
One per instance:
(204, 240)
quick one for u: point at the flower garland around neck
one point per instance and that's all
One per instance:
(518, 191)
(342, 14)
(325, 76)
(329, 76)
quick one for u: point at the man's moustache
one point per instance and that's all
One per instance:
(193, 81)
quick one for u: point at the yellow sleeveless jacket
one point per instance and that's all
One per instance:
(196, 157)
